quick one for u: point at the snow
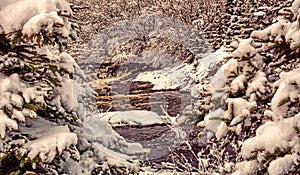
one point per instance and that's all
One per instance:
(5, 123)
(5, 99)
(287, 89)
(282, 29)
(68, 94)
(73, 96)
(47, 139)
(295, 7)
(52, 142)
(239, 106)
(238, 84)
(99, 131)
(183, 76)
(270, 137)
(296, 121)
(29, 113)
(84, 166)
(292, 34)
(264, 34)
(212, 58)
(33, 15)
(10, 87)
(35, 24)
(68, 63)
(30, 94)
(229, 68)
(238, 111)
(18, 115)
(222, 53)
(244, 50)
(212, 121)
(168, 78)
(109, 149)
(16, 100)
(162, 79)
(218, 83)
(259, 13)
(132, 118)
(246, 167)
(222, 130)
(282, 165)
(229, 166)
(257, 84)
(11, 84)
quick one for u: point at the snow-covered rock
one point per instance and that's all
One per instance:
(132, 118)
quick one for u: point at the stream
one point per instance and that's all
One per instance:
(149, 63)
(160, 138)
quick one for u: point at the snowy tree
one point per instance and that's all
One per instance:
(37, 113)
(46, 108)
(257, 129)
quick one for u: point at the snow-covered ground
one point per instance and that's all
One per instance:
(132, 118)
(183, 76)
(168, 78)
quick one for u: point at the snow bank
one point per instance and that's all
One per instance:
(131, 118)
(169, 78)
(183, 76)
(104, 150)
(98, 130)
(109, 142)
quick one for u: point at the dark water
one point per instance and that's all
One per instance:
(164, 142)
